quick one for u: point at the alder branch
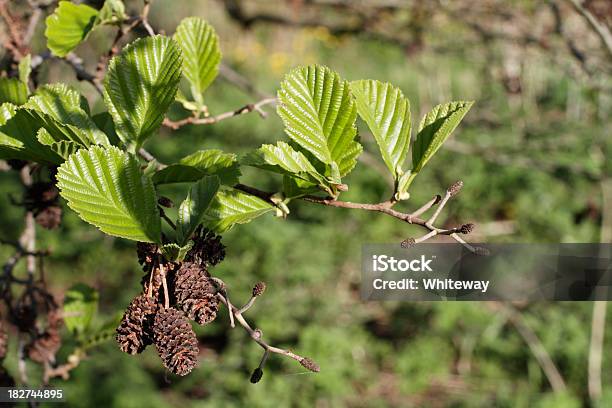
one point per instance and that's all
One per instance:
(602, 31)
(194, 120)
(257, 335)
(386, 207)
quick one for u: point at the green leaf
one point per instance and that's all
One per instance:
(68, 26)
(107, 188)
(80, 306)
(201, 54)
(387, 113)
(319, 114)
(18, 137)
(192, 209)
(283, 159)
(113, 11)
(434, 129)
(104, 122)
(63, 148)
(25, 68)
(202, 163)
(176, 253)
(231, 207)
(7, 110)
(140, 86)
(13, 91)
(64, 104)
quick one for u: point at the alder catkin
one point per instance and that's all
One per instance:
(176, 341)
(310, 365)
(134, 333)
(256, 376)
(259, 289)
(195, 293)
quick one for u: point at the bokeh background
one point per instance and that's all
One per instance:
(534, 154)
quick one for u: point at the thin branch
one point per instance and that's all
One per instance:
(193, 120)
(257, 337)
(602, 31)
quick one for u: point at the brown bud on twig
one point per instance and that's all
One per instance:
(310, 365)
(408, 242)
(165, 202)
(259, 289)
(454, 189)
(256, 376)
(50, 217)
(467, 228)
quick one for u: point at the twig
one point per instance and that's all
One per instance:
(257, 337)
(193, 120)
(144, 17)
(602, 31)
(81, 73)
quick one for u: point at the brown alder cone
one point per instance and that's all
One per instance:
(3, 339)
(43, 347)
(207, 249)
(134, 333)
(49, 217)
(195, 293)
(176, 341)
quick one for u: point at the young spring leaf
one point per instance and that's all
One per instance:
(434, 129)
(66, 105)
(283, 159)
(13, 91)
(25, 68)
(18, 136)
(201, 54)
(387, 112)
(140, 86)
(80, 306)
(319, 114)
(68, 26)
(63, 148)
(231, 207)
(175, 253)
(202, 163)
(192, 209)
(107, 188)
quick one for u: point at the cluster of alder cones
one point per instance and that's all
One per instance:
(173, 294)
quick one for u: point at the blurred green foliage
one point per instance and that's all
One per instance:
(536, 163)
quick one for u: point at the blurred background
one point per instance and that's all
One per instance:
(534, 154)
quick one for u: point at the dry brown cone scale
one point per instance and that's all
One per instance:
(134, 332)
(195, 293)
(175, 340)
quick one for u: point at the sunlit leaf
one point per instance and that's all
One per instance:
(140, 85)
(231, 207)
(202, 163)
(434, 129)
(13, 91)
(283, 159)
(387, 112)
(65, 105)
(201, 54)
(107, 188)
(68, 26)
(319, 114)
